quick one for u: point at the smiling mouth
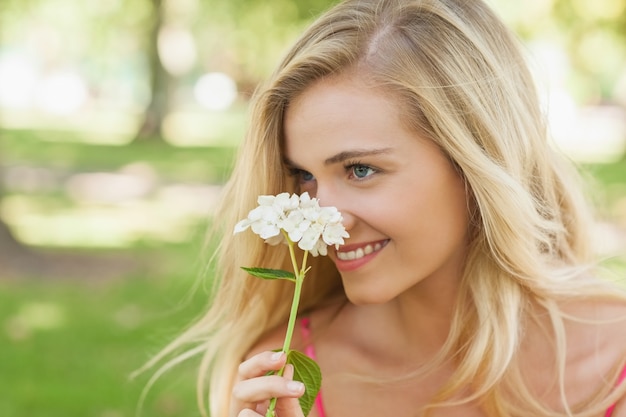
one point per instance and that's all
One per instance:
(361, 252)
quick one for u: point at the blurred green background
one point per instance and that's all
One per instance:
(119, 121)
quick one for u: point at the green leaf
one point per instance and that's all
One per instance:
(266, 273)
(308, 372)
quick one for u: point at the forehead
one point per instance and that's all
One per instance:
(340, 112)
(346, 91)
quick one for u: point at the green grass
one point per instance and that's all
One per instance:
(63, 150)
(69, 346)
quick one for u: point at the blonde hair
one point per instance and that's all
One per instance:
(462, 81)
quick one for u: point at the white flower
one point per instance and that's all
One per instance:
(300, 218)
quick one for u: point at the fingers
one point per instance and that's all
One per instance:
(288, 372)
(262, 363)
(290, 406)
(249, 413)
(255, 388)
(265, 387)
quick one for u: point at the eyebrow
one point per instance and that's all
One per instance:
(357, 153)
(345, 155)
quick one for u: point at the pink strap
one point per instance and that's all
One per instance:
(621, 379)
(309, 350)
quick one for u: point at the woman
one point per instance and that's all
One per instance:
(464, 288)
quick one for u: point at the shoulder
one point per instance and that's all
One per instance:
(597, 324)
(596, 347)
(593, 341)
(596, 335)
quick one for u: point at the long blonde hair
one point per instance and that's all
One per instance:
(461, 79)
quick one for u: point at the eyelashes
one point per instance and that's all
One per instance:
(359, 170)
(355, 170)
(301, 175)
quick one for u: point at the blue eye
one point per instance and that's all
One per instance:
(361, 171)
(302, 176)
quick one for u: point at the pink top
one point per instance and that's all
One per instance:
(309, 350)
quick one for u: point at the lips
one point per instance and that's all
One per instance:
(361, 251)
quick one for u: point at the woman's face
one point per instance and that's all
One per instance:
(403, 203)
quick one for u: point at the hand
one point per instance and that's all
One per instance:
(253, 391)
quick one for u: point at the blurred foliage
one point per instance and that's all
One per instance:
(107, 38)
(595, 37)
(104, 40)
(593, 33)
(245, 38)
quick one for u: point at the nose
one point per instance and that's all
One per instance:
(330, 196)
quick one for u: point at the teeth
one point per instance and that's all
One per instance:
(359, 253)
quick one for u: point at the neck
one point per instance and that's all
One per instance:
(411, 328)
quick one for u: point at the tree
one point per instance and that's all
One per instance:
(161, 82)
(10, 248)
(268, 27)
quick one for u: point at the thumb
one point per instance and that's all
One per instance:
(289, 407)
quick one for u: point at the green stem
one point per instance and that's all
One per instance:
(299, 273)
(303, 269)
(294, 311)
(292, 254)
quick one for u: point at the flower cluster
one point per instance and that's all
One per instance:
(297, 218)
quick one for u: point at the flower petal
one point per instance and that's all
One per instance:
(299, 217)
(241, 226)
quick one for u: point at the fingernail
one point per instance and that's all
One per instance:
(276, 356)
(295, 386)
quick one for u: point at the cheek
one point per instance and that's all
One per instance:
(435, 212)
(451, 217)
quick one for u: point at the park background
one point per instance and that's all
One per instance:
(119, 120)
